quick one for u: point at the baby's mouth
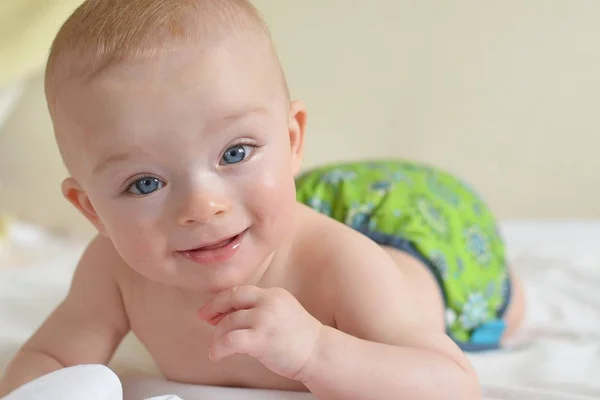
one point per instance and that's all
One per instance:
(217, 245)
(218, 251)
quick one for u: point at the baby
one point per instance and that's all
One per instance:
(360, 280)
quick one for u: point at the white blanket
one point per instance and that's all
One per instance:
(556, 357)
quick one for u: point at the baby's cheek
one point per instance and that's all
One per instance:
(134, 245)
(271, 199)
(135, 239)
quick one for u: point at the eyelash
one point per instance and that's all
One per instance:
(242, 142)
(132, 180)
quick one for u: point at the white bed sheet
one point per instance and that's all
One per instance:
(557, 356)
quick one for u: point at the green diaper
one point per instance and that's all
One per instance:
(433, 216)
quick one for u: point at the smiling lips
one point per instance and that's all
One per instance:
(215, 252)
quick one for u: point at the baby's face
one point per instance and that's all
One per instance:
(187, 162)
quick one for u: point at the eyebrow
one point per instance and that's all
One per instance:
(246, 112)
(118, 157)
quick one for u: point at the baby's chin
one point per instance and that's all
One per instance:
(205, 280)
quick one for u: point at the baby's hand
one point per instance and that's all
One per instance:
(267, 324)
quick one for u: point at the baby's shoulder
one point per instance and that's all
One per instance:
(101, 259)
(349, 275)
(336, 251)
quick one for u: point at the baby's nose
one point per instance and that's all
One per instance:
(201, 207)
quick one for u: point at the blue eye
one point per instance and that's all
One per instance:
(237, 154)
(145, 186)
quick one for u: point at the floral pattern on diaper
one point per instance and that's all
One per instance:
(442, 191)
(440, 263)
(338, 175)
(381, 186)
(359, 216)
(474, 311)
(320, 205)
(478, 245)
(399, 176)
(433, 216)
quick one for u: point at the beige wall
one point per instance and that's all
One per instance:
(504, 93)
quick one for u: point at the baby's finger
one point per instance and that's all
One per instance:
(243, 341)
(237, 298)
(218, 318)
(242, 319)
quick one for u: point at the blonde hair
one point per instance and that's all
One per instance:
(101, 33)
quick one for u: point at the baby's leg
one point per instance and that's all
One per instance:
(515, 313)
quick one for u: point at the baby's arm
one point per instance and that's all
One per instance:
(385, 347)
(85, 328)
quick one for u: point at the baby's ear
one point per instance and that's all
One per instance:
(75, 194)
(296, 128)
